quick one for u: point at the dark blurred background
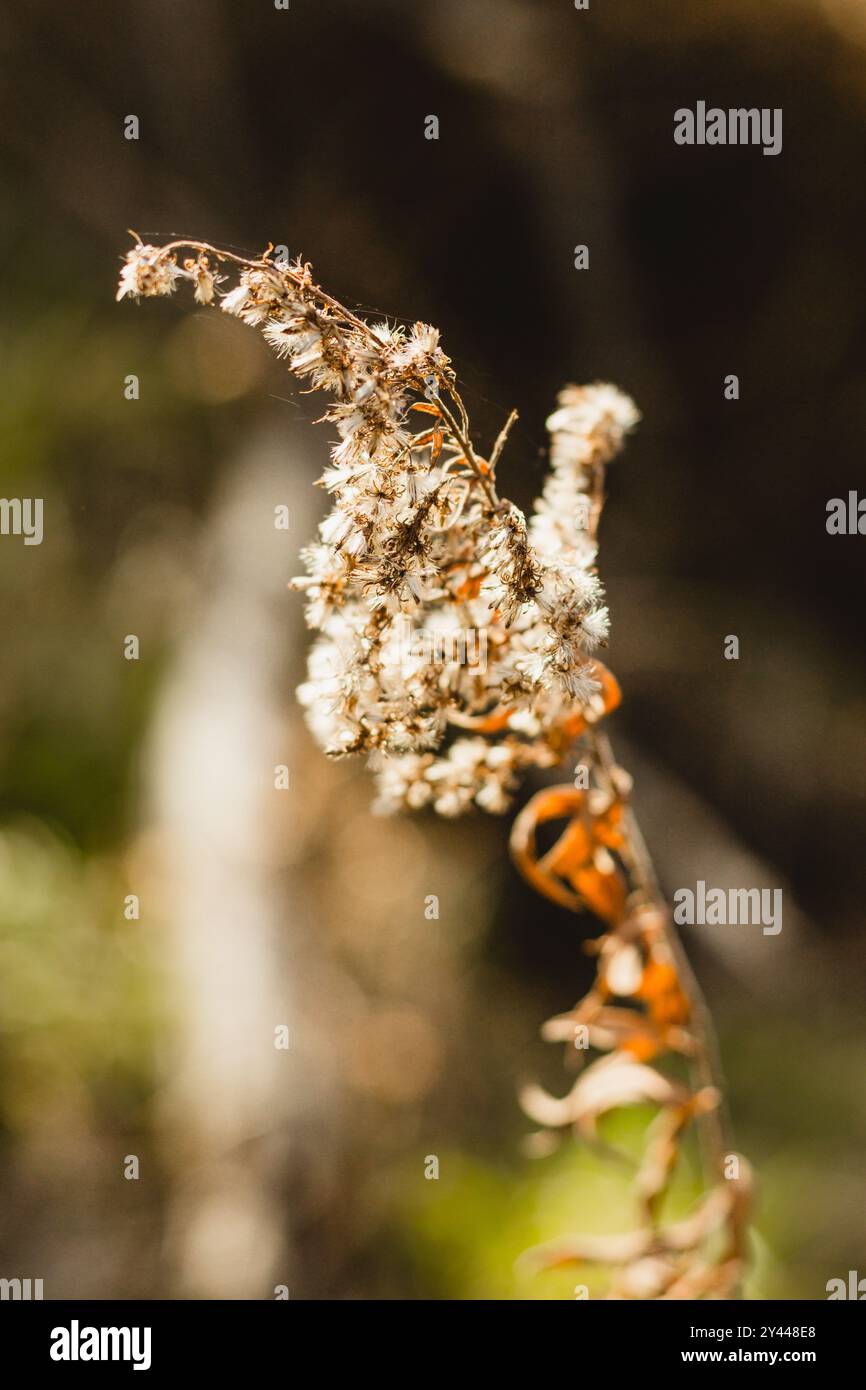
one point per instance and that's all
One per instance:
(154, 1037)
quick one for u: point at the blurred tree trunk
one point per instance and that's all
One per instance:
(230, 900)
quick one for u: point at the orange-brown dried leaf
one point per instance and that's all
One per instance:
(571, 852)
(600, 887)
(469, 589)
(661, 992)
(437, 444)
(607, 827)
(604, 892)
(607, 699)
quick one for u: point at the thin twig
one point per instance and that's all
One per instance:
(501, 440)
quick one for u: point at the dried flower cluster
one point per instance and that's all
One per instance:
(418, 558)
(419, 551)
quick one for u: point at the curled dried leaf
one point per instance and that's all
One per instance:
(578, 860)
(607, 1084)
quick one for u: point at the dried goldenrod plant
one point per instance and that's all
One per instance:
(456, 647)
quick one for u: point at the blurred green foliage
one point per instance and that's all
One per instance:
(79, 998)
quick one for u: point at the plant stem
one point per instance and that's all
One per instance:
(706, 1062)
(466, 445)
(500, 442)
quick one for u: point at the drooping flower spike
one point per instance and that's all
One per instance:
(457, 647)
